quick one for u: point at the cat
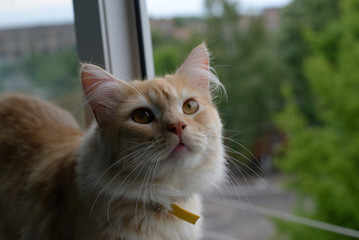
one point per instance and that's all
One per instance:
(136, 173)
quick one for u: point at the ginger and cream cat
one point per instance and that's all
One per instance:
(154, 146)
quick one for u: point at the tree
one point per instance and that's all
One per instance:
(53, 76)
(246, 63)
(55, 73)
(299, 17)
(323, 158)
(168, 51)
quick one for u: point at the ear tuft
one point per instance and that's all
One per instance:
(102, 91)
(196, 70)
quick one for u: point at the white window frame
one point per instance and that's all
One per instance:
(115, 34)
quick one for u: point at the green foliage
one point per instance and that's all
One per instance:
(169, 52)
(50, 76)
(165, 59)
(57, 72)
(247, 64)
(183, 21)
(298, 18)
(323, 158)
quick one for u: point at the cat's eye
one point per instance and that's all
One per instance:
(190, 107)
(142, 116)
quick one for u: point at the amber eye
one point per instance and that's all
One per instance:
(142, 116)
(190, 106)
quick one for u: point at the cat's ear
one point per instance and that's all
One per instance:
(196, 68)
(102, 91)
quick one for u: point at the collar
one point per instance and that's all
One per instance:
(178, 212)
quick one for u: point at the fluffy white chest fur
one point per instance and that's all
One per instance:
(157, 225)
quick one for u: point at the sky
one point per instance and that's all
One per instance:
(16, 13)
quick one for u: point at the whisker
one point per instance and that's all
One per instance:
(113, 196)
(251, 170)
(154, 154)
(113, 178)
(144, 194)
(139, 192)
(247, 150)
(117, 162)
(244, 194)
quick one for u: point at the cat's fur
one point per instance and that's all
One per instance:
(119, 179)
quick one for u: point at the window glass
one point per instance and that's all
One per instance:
(38, 52)
(288, 70)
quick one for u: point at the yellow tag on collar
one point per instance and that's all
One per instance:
(183, 214)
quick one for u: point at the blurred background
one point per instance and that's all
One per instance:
(292, 114)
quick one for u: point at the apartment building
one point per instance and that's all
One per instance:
(19, 42)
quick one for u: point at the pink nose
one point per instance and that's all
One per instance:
(177, 128)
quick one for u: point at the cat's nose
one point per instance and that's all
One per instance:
(177, 128)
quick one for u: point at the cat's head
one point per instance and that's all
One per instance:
(156, 138)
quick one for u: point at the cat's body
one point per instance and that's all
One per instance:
(38, 149)
(154, 144)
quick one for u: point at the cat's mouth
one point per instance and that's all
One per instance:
(179, 149)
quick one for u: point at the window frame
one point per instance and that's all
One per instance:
(115, 34)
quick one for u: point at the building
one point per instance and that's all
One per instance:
(271, 18)
(19, 42)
